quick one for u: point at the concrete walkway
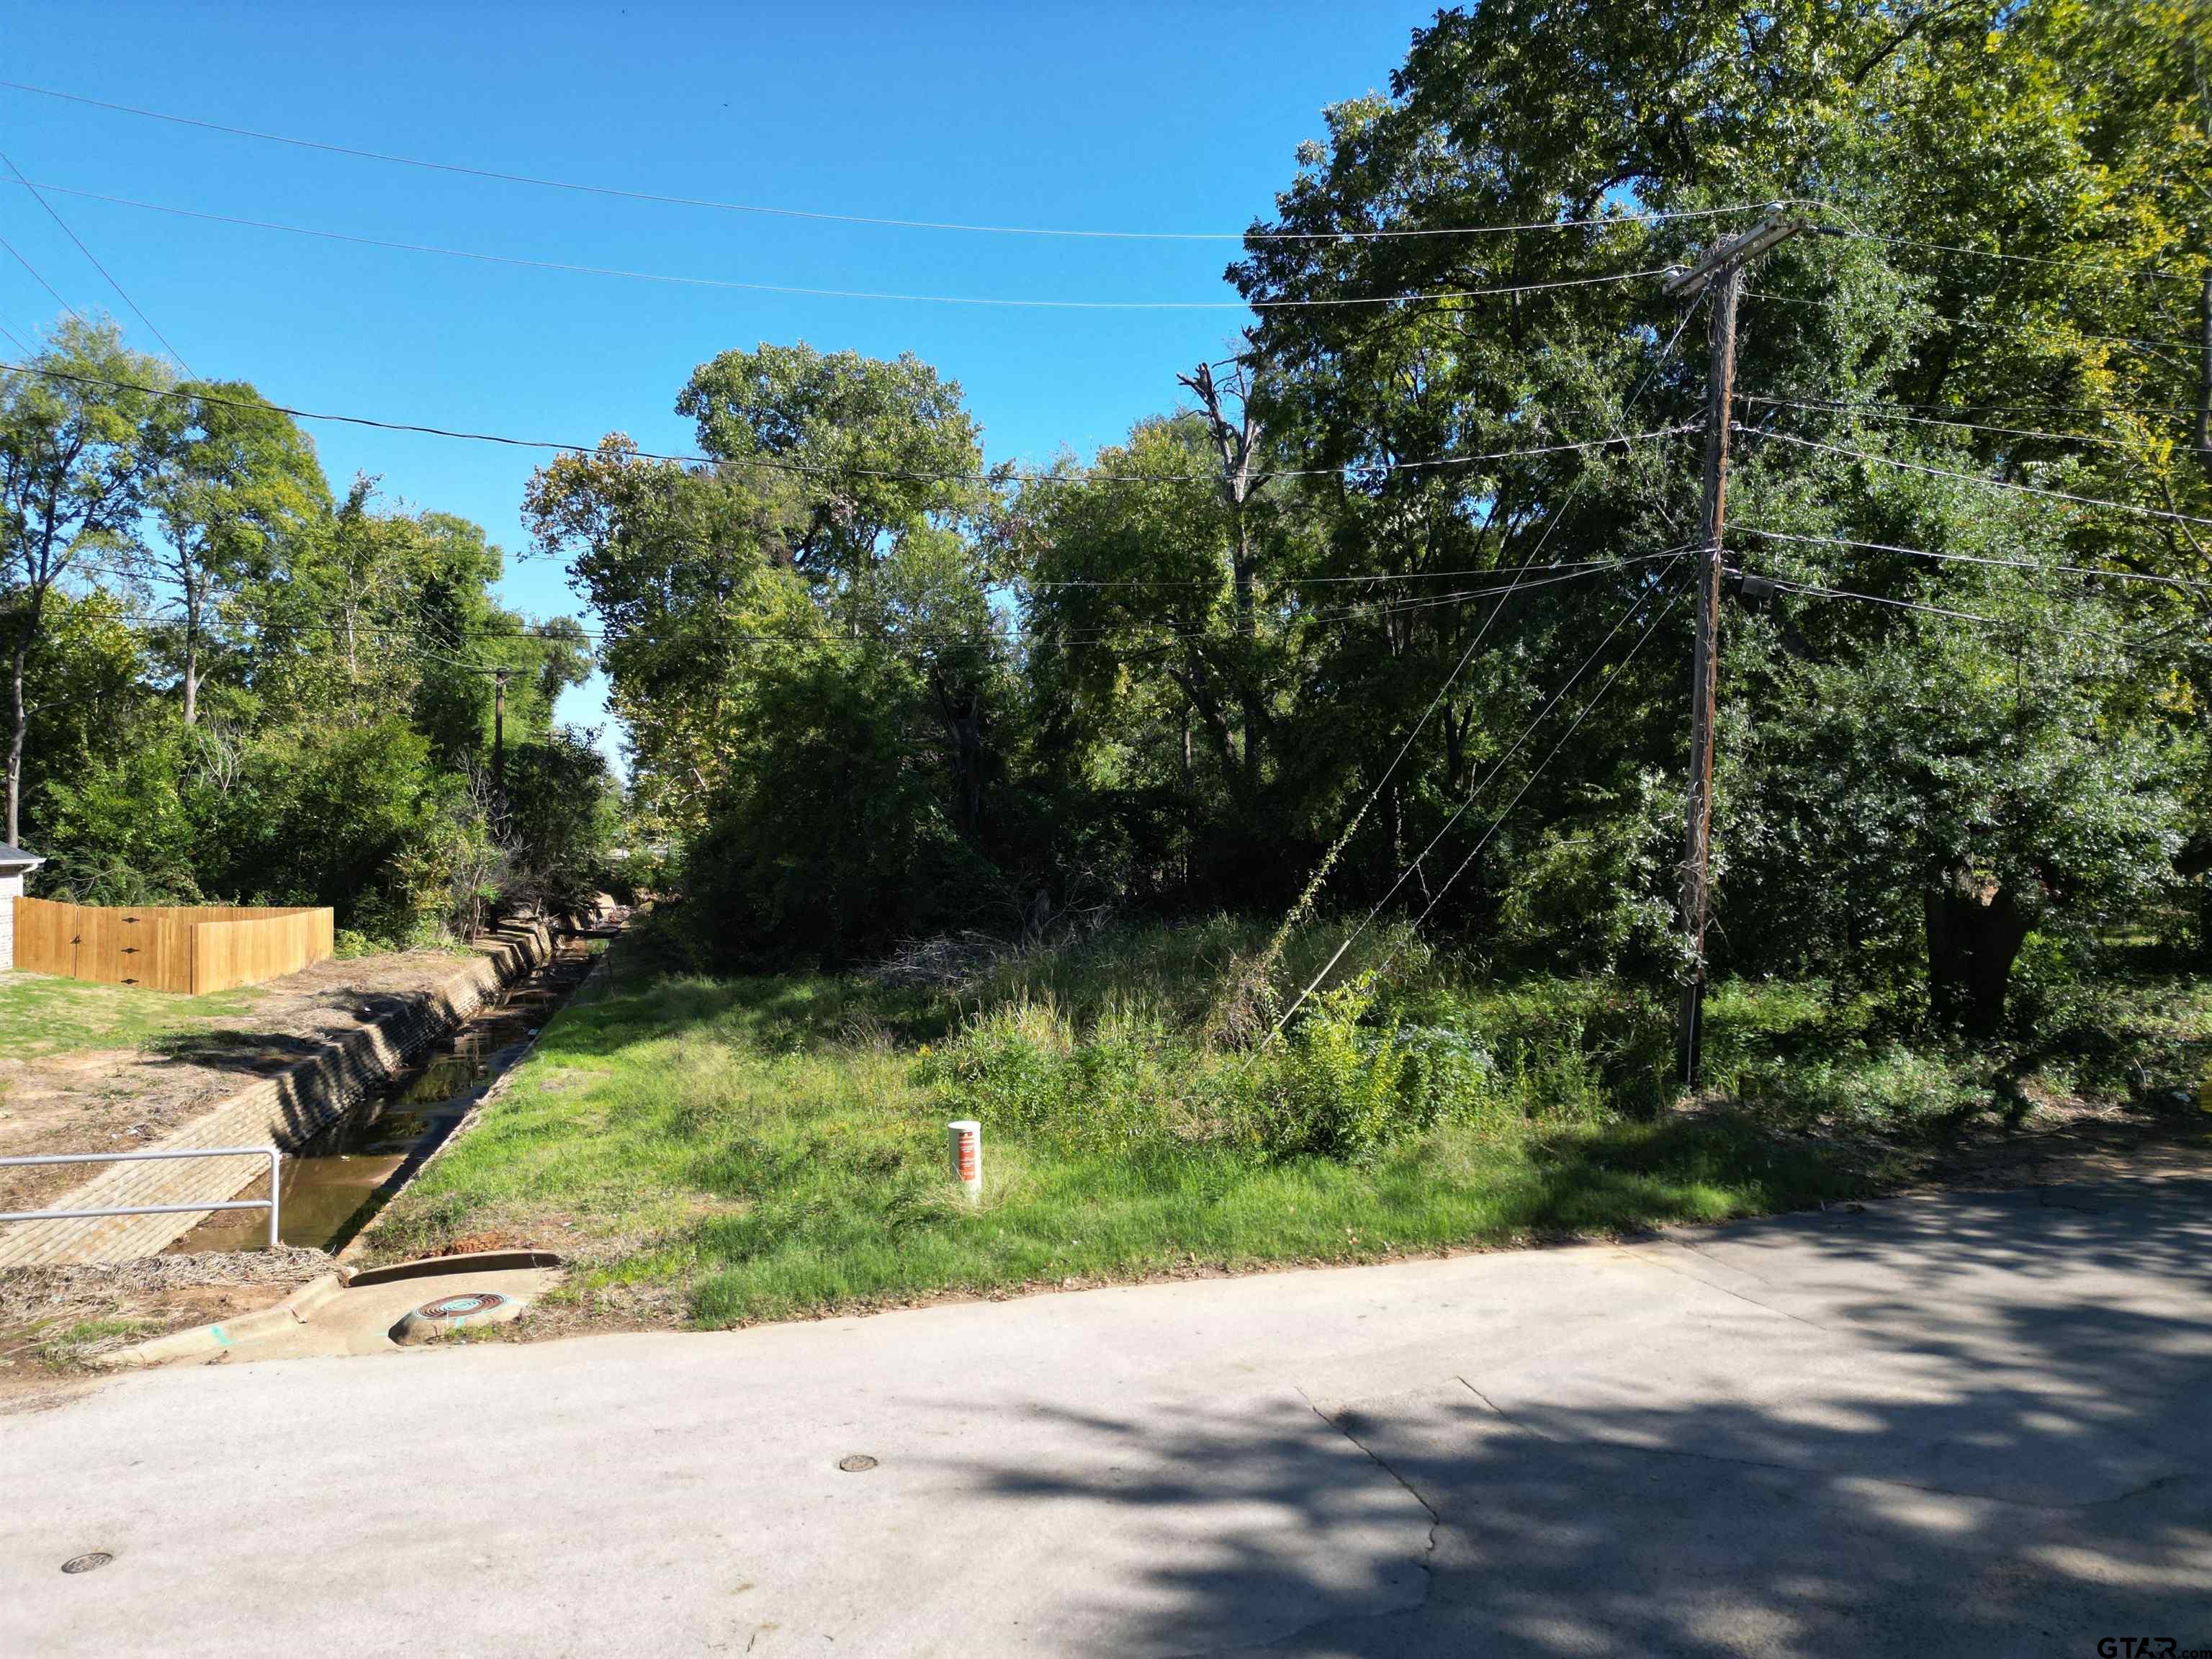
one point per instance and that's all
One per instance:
(1971, 1424)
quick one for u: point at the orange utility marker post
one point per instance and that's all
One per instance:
(965, 1149)
(1723, 267)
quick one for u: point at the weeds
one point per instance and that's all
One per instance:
(762, 1147)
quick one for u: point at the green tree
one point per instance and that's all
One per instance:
(228, 478)
(72, 465)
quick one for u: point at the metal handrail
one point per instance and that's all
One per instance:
(269, 1203)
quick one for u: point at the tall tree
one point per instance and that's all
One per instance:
(228, 477)
(72, 466)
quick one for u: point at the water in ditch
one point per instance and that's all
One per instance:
(336, 1182)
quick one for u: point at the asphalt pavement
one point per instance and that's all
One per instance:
(1967, 1423)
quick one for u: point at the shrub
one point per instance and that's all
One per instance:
(1330, 1087)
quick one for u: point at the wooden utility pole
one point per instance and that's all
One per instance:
(2204, 380)
(1723, 267)
(499, 737)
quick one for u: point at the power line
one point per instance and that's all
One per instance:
(93, 259)
(1591, 703)
(1880, 413)
(459, 636)
(1253, 234)
(1976, 558)
(2005, 624)
(2135, 342)
(1969, 477)
(2105, 411)
(1311, 582)
(1083, 477)
(1527, 730)
(542, 183)
(1327, 861)
(2121, 271)
(42, 281)
(853, 294)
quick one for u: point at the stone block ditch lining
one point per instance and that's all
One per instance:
(288, 1109)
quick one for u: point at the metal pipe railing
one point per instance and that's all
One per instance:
(269, 1203)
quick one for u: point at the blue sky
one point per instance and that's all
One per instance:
(1152, 118)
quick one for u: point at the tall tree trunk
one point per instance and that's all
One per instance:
(19, 722)
(1237, 442)
(964, 730)
(35, 601)
(191, 643)
(1975, 930)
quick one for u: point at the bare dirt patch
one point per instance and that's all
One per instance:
(54, 1320)
(117, 1099)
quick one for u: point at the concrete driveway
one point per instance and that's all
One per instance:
(1966, 1424)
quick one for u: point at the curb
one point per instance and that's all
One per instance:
(213, 1341)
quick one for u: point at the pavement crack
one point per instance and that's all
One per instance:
(1428, 1552)
(1714, 1285)
(1507, 1418)
(1413, 1491)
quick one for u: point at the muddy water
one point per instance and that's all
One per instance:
(337, 1181)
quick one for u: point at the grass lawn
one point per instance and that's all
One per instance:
(775, 1146)
(46, 1014)
(728, 1150)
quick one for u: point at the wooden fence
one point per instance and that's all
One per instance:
(168, 947)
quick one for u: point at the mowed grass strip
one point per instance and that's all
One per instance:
(47, 1014)
(772, 1148)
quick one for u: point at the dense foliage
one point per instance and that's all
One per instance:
(1326, 631)
(228, 685)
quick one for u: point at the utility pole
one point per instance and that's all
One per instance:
(499, 740)
(2204, 380)
(1723, 267)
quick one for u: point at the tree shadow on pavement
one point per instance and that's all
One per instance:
(1977, 1424)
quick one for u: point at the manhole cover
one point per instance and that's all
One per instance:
(86, 1562)
(858, 1463)
(461, 1307)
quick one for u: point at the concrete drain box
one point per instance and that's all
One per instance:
(466, 1311)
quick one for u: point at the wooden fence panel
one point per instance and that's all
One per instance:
(186, 948)
(42, 932)
(255, 948)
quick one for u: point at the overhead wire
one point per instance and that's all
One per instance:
(1506, 811)
(1474, 792)
(1084, 477)
(1020, 304)
(19, 259)
(2010, 625)
(93, 259)
(1222, 579)
(670, 199)
(2136, 342)
(2104, 410)
(1969, 477)
(1878, 412)
(1250, 234)
(2124, 272)
(1357, 611)
(1326, 863)
(2029, 565)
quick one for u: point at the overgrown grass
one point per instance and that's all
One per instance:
(765, 1147)
(44, 1014)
